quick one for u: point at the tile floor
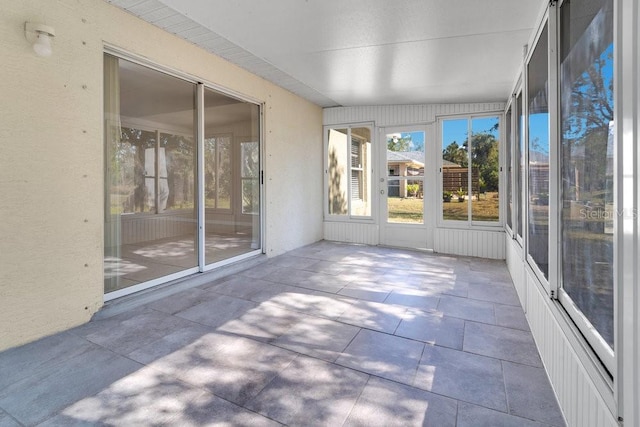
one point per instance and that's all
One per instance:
(329, 334)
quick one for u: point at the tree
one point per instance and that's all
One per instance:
(399, 143)
(456, 154)
(485, 157)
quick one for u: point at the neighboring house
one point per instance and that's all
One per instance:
(404, 164)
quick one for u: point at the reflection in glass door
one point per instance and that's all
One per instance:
(160, 224)
(150, 181)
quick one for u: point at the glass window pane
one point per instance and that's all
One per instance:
(232, 171)
(360, 172)
(508, 151)
(338, 170)
(586, 82)
(405, 159)
(150, 226)
(520, 197)
(538, 124)
(217, 175)
(250, 158)
(455, 169)
(485, 169)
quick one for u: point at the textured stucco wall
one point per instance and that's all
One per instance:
(51, 163)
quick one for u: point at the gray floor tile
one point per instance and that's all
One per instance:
(307, 279)
(149, 397)
(416, 298)
(326, 267)
(463, 376)
(218, 311)
(22, 362)
(233, 368)
(318, 337)
(7, 421)
(265, 322)
(373, 315)
(511, 317)
(502, 343)
(494, 293)
(366, 291)
(521, 383)
(37, 398)
(260, 271)
(433, 328)
(389, 404)
(275, 290)
(314, 303)
(181, 301)
(463, 308)
(384, 355)
(292, 260)
(476, 416)
(171, 342)
(310, 392)
(137, 331)
(239, 286)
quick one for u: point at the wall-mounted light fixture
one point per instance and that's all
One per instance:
(40, 36)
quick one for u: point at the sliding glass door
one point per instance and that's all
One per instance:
(158, 224)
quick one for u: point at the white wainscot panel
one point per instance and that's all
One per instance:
(476, 243)
(579, 399)
(515, 264)
(351, 232)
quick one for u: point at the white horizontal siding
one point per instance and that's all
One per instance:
(476, 243)
(394, 115)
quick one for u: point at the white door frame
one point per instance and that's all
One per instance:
(408, 235)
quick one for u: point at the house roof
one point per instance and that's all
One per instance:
(412, 157)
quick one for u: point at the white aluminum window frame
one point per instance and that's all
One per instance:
(469, 223)
(200, 211)
(348, 217)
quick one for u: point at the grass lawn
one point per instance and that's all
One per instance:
(409, 210)
(485, 209)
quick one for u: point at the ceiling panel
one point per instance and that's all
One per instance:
(357, 52)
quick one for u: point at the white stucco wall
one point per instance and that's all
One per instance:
(51, 163)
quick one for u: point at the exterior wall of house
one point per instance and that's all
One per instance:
(52, 165)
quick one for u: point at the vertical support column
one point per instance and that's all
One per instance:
(200, 174)
(554, 156)
(627, 224)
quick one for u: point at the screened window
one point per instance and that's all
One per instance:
(507, 146)
(471, 169)
(588, 210)
(348, 171)
(520, 167)
(538, 146)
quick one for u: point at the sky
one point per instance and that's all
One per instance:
(456, 130)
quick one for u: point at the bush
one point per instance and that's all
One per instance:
(446, 196)
(412, 189)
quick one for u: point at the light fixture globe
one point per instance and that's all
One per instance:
(42, 46)
(40, 36)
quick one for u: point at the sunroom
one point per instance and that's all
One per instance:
(155, 146)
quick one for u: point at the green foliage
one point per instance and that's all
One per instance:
(399, 144)
(456, 154)
(446, 196)
(412, 189)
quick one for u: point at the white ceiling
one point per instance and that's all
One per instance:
(361, 52)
